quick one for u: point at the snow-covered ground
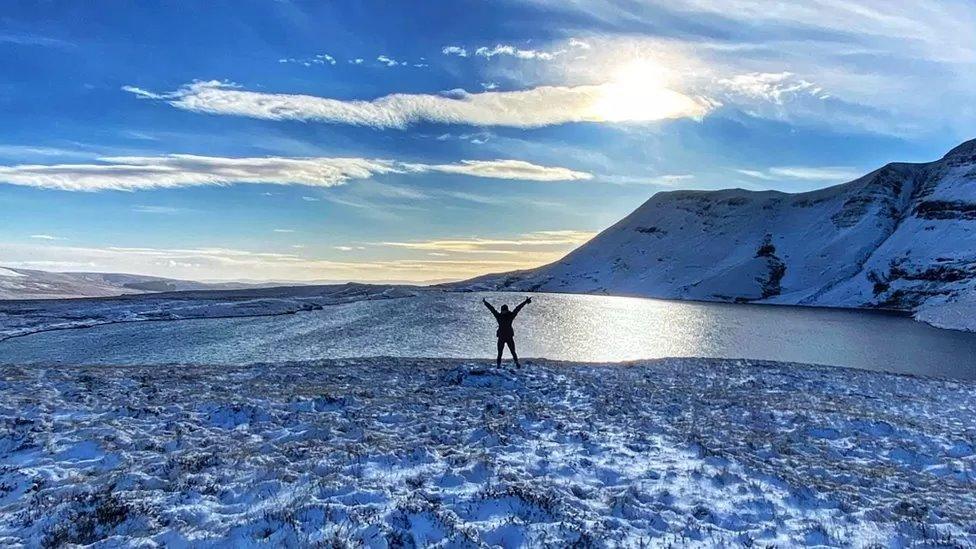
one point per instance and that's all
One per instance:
(389, 452)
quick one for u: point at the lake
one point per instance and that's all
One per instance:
(556, 326)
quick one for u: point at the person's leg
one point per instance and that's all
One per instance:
(501, 347)
(511, 347)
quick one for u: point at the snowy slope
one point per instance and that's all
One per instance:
(901, 237)
(34, 284)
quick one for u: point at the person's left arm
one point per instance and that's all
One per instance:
(523, 304)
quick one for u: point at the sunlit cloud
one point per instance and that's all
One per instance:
(45, 237)
(638, 99)
(865, 66)
(138, 173)
(773, 87)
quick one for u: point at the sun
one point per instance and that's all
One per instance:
(638, 91)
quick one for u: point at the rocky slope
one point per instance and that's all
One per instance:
(901, 237)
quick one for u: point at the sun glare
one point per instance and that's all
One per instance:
(638, 92)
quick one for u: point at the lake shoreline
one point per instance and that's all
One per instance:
(583, 328)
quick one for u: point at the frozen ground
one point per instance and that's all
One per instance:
(392, 452)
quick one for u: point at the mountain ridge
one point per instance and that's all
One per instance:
(17, 283)
(900, 237)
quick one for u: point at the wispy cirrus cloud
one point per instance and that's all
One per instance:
(772, 87)
(159, 210)
(503, 169)
(32, 39)
(530, 108)
(804, 173)
(132, 173)
(45, 237)
(536, 241)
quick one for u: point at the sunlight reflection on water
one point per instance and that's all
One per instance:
(557, 326)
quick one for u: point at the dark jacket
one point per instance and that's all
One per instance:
(505, 319)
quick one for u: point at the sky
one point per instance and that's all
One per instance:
(430, 141)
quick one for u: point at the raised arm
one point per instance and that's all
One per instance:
(523, 304)
(490, 308)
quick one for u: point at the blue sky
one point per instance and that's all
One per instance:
(430, 141)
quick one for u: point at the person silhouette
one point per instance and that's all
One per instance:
(505, 332)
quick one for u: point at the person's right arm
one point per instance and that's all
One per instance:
(490, 308)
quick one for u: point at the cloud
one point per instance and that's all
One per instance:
(454, 50)
(219, 263)
(561, 239)
(179, 170)
(805, 173)
(389, 61)
(28, 39)
(530, 108)
(515, 51)
(505, 49)
(860, 65)
(665, 180)
(164, 210)
(283, 230)
(772, 87)
(504, 169)
(575, 43)
(320, 59)
(45, 237)
(130, 173)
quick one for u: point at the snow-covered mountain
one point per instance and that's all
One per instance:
(33, 284)
(901, 237)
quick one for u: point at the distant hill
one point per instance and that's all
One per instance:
(901, 237)
(33, 284)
